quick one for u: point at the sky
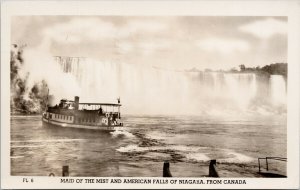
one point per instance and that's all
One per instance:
(169, 42)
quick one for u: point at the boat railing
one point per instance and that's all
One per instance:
(267, 163)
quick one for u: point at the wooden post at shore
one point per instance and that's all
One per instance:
(213, 169)
(166, 169)
(65, 171)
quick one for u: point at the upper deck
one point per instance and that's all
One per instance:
(70, 107)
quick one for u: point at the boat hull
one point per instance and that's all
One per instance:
(72, 125)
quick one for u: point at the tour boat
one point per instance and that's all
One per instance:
(99, 116)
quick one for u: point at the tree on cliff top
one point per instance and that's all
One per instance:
(276, 69)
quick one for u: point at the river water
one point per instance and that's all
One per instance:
(139, 150)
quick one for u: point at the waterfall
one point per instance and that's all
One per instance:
(278, 89)
(242, 87)
(145, 89)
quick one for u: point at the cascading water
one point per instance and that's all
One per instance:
(278, 89)
(150, 90)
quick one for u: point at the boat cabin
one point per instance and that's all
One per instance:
(70, 111)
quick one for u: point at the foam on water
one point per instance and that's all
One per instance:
(197, 157)
(122, 133)
(234, 157)
(157, 135)
(178, 148)
(194, 153)
(184, 148)
(132, 148)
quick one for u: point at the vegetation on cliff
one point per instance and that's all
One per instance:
(272, 69)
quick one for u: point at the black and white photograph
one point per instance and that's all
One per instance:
(138, 97)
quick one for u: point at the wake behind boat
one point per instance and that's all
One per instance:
(99, 116)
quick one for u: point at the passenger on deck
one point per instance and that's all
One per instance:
(100, 110)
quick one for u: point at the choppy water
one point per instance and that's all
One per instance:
(140, 149)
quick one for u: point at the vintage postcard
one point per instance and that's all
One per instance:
(129, 94)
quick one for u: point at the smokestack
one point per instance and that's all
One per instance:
(76, 106)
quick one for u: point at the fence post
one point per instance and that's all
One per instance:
(212, 169)
(65, 171)
(166, 169)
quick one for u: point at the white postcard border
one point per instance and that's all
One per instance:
(153, 8)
